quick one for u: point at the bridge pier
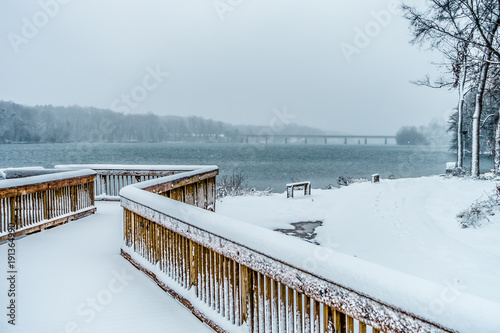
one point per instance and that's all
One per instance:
(306, 141)
(385, 140)
(326, 141)
(345, 141)
(366, 141)
(286, 140)
(266, 140)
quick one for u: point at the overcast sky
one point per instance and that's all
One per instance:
(230, 60)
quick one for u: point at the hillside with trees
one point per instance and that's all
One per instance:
(55, 124)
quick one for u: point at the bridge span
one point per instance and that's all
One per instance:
(302, 138)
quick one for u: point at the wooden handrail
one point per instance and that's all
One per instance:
(30, 204)
(111, 178)
(189, 251)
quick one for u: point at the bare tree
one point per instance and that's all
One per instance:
(470, 24)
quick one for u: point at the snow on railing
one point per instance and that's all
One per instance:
(239, 277)
(111, 178)
(38, 202)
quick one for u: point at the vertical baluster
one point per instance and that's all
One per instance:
(340, 322)
(290, 310)
(267, 306)
(317, 316)
(262, 303)
(255, 300)
(298, 312)
(193, 267)
(185, 262)
(27, 209)
(3, 213)
(218, 286)
(222, 294)
(282, 308)
(274, 306)
(362, 328)
(350, 325)
(208, 277)
(23, 216)
(228, 290)
(170, 260)
(13, 211)
(307, 314)
(245, 296)
(177, 258)
(236, 293)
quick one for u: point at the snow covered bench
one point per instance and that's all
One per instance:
(292, 186)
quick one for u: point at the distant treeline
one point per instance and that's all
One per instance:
(53, 124)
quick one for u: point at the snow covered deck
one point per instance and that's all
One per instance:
(390, 255)
(73, 279)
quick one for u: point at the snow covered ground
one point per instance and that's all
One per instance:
(408, 225)
(73, 279)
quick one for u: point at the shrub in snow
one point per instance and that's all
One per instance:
(346, 181)
(477, 214)
(231, 185)
(2, 174)
(235, 185)
(457, 172)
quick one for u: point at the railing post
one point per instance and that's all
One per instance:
(45, 206)
(13, 215)
(193, 265)
(91, 187)
(244, 280)
(73, 198)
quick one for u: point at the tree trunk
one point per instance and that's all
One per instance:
(497, 146)
(461, 102)
(476, 118)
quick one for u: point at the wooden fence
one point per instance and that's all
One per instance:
(112, 178)
(30, 204)
(234, 287)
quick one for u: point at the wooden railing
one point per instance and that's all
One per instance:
(111, 178)
(30, 204)
(225, 272)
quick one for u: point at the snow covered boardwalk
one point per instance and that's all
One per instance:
(391, 257)
(73, 279)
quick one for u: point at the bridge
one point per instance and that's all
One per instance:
(306, 138)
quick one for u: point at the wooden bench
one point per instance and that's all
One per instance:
(290, 187)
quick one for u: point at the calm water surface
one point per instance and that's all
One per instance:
(271, 165)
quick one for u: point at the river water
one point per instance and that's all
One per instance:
(264, 165)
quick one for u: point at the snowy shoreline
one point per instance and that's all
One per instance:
(407, 225)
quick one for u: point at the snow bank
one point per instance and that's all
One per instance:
(449, 302)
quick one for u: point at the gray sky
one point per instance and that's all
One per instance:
(230, 60)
